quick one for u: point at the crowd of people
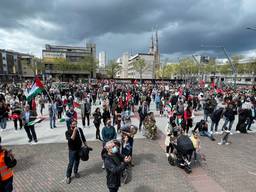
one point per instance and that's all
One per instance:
(179, 103)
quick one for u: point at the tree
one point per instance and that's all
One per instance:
(139, 65)
(113, 68)
(88, 63)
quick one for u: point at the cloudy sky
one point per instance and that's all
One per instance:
(118, 26)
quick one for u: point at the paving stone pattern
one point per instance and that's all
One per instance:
(42, 168)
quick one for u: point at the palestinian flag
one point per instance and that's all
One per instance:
(38, 120)
(37, 88)
(76, 105)
(168, 107)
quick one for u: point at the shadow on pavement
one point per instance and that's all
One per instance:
(139, 158)
(95, 169)
(24, 163)
(143, 188)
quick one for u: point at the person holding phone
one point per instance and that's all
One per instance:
(115, 164)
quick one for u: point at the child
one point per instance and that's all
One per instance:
(197, 145)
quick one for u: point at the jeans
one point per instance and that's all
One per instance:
(7, 186)
(206, 134)
(74, 160)
(113, 189)
(206, 115)
(86, 116)
(226, 122)
(30, 130)
(52, 121)
(3, 123)
(216, 125)
(141, 122)
(157, 106)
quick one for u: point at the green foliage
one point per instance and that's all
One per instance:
(112, 69)
(140, 65)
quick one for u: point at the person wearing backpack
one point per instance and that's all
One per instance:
(7, 162)
(215, 117)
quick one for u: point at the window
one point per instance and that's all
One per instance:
(247, 79)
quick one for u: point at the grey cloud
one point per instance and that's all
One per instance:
(183, 24)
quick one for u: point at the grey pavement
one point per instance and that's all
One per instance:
(42, 167)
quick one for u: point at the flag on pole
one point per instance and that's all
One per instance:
(38, 120)
(37, 88)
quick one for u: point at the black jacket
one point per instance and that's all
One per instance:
(114, 166)
(75, 145)
(230, 113)
(216, 115)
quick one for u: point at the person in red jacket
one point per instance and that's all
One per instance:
(188, 118)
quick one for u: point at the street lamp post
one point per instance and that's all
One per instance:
(233, 67)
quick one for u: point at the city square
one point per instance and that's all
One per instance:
(129, 96)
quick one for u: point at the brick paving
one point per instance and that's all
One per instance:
(42, 168)
(232, 166)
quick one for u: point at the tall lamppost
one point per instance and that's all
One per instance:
(233, 67)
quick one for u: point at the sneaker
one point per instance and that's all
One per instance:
(220, 143)
(77, 175)
(30, 140)
(231, 133)
(68, 180)
(103, 166)
(36, 140)
(249, 130)
(227, 143)
(167, 155)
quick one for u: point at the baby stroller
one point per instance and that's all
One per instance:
(182, 154)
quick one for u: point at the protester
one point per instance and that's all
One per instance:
(108, 133)
(143, 111)
(229, 115)
(7, 162)
(86, 111)
(52, 108)
(215, 117)
(75, 139)
(27, 117)
(3, 115)
(202, 127)
(115, 164)
(16, 113)
(71, 115)
(97, 121)
(41, 103)
(105, 114)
